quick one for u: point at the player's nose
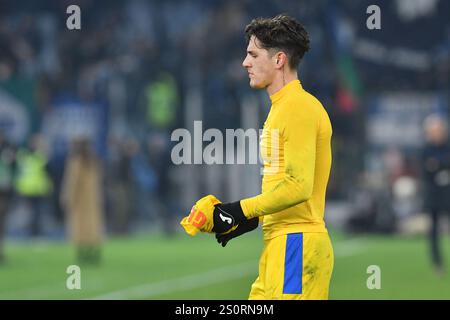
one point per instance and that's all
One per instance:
(246, 63)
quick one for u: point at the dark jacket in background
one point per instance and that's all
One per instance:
(436, 170)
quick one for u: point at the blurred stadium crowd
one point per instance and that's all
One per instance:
(139, 69)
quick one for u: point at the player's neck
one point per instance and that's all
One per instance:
(280, 81)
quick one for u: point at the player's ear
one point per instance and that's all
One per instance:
(280, 59)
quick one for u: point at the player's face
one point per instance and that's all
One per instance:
(436, 132)
(259, 64)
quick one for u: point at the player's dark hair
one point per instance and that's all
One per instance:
(282, 33)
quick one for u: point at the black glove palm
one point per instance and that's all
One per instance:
(243, 227)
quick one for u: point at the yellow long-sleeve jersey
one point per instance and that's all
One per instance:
(296, 150)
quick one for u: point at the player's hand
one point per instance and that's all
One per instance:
(243, 227)
(227, 216)
(210, 215)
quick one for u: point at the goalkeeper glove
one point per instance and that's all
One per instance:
(201, 216)
(210, 215)
(243, 227)
(227, 216)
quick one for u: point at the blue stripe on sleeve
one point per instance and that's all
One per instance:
(293, 264)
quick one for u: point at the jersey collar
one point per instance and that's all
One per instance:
(288, 88)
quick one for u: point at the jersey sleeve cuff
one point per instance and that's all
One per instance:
(248, 208)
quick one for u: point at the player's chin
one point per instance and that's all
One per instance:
(255, 85)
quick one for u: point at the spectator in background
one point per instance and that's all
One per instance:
(162, 99)
(7, 165)
(436, 170)
(81, 197)
(159, 160)
(33, 182)
(145, 179)
(121, 184)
